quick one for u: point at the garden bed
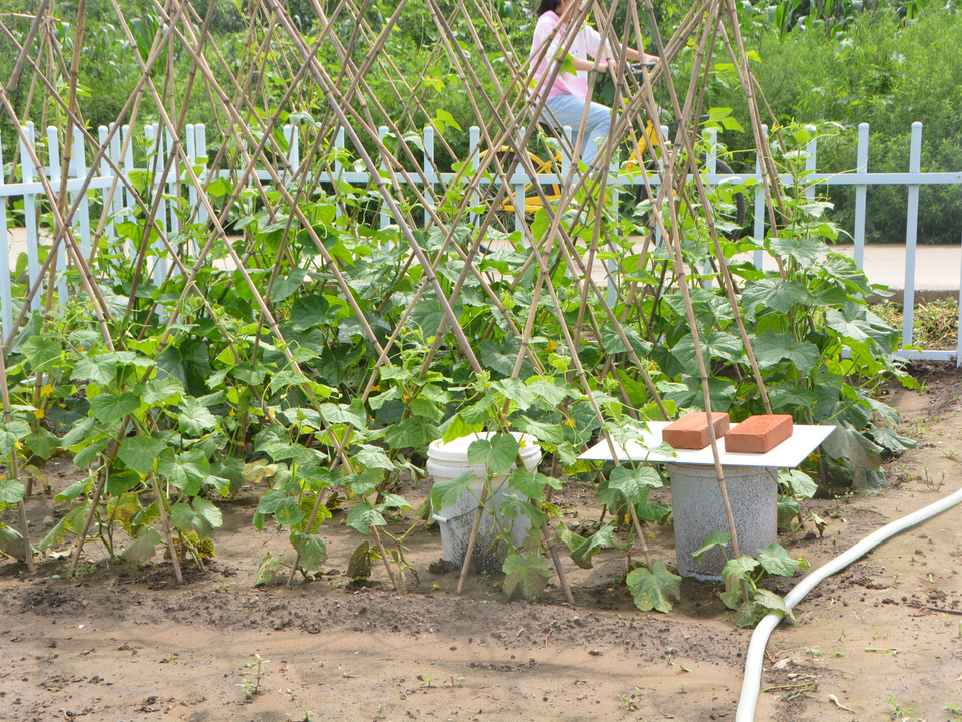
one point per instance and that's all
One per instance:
(125, 642)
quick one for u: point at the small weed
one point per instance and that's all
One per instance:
(426, 682)
(900, 713)
(252, 687)
(955, 710)
(933, 484)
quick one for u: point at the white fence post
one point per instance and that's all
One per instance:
(385, 216)
(6, 293)
(54, 161)
(758, 229)
(430, 172)
(78, 169)
(911, 236)
(28, 176)
(861, 168)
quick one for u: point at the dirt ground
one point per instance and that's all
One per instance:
(881, 640)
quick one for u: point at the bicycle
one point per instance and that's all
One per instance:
(533, 201)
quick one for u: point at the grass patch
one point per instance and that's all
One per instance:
(936, 323)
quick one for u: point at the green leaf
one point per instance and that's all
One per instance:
(773, 349)
(287, 512)
(54, 536)
(41, 444)
(633, 483)
(500, 356)
(371, 457)
(268, 567)
(195, 418)
(200, 516)
(87, 454)
(186, 471)
(772, 294)
(772, 602)
(548, 391)
(10, 433)
(11, 542)
(163, 391)
(189, 363)
(527, 576)
(749, 614)
(735, 571)
(776, 560)
(551, 433)
(363, 516)
(120, 482)
(312, 550)
(109, 407)
(800, 482)
(11, 491)
(808, 251)
(284, 287)
(78, 433)
(41, 352)
(140, 453)
(515, 390)
(212, 516)
(514, 506)
(714, 539)
(359, 566)
(583, 549)
(850, 322)
(498, 453)
(531, 483)
(653, 590)
(343, 414)
(413, 432)
(446, 493)
(100, 369)
(143, 547)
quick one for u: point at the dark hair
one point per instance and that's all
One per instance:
(547, 5)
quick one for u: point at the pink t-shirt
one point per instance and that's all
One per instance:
(585, 45)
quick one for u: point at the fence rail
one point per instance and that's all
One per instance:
(101, 186)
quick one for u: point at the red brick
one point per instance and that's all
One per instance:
(691, 430)
(759, 434)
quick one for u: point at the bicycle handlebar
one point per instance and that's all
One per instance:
(639, 69)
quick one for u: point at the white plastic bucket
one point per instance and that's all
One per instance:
(448, 461)
(697, 509)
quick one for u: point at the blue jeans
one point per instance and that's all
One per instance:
(569, 110)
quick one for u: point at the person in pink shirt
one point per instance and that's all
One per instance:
(567, 96)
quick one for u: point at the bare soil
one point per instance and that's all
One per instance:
(881, 640)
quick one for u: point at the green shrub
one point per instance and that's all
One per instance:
(882, 73)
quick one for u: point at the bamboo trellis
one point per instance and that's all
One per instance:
(331, 73)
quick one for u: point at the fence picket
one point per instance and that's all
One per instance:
(911, 236)
(81, 219)
(53, 175)
(30, 205)
(6, 291)
(861, 191)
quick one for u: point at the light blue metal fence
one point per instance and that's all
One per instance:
(101, 188)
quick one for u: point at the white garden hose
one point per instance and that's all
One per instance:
(751, 686)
